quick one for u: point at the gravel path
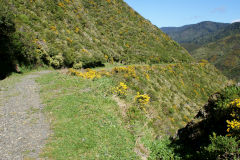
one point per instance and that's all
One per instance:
(23, 127)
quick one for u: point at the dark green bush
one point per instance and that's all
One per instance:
(10, 45)
(69, 58)
(222, 147)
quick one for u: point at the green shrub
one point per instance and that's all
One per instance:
(227, 95)
(24, 18)
(10, 44)
(162, 149)
(57, 61)
(77, 65)
(69, 58)
(222, 147)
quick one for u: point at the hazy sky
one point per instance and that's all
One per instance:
(165, 13)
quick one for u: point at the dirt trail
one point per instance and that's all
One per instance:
(23, 127)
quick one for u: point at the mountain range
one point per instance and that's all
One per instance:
(215, 42)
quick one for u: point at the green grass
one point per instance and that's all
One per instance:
(88, 123)
(85, 120)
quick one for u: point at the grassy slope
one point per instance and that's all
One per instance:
(90, 31)
(224, 54)
(85, 120)
(88, 122)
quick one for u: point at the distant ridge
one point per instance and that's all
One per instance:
(216, 42)
(191, 33)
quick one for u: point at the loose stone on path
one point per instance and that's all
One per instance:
(23, 127)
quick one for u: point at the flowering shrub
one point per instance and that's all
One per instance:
(203, 62)
(89, 74)
(234, 125)
(121, 89)
(142, 99)
(129, 71)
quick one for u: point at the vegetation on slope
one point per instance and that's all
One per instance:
(224, 54)
(10, 47)
(214, 133)
(94, 111)
(218, 45)
(84, 33)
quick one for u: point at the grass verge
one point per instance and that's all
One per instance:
(85, 120)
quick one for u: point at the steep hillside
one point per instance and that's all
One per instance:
(82, 33)
(214, 132)
(224, 54)
(194, 33)
(122, 112)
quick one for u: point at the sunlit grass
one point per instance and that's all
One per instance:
(85, 120)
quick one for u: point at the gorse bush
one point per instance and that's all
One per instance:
(88, 74)
(234, 123)
(121, 89)
(142, 99)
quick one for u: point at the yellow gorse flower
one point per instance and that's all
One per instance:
(129, 71)
(142, 99)
(234, 125)
(89, 74)
(121, 89)
(236, 103)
